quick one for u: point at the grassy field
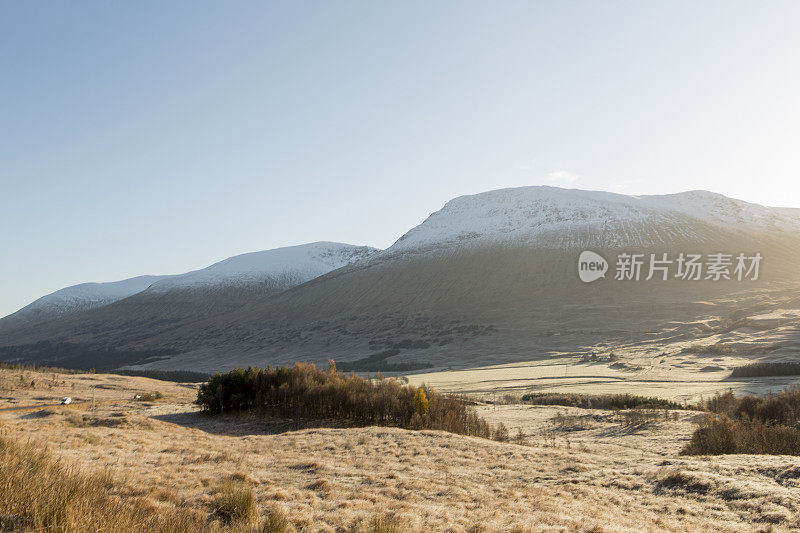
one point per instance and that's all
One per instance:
(563, 468)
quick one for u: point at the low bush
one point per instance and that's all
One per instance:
(500, 433)
(640, 417)
(718, 435)
(306, 392)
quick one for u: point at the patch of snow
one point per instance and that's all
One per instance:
(719, 209)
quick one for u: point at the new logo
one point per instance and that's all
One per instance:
(591, 266)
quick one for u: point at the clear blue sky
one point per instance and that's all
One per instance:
(159, 137)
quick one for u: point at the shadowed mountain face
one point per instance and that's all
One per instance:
(489, 278)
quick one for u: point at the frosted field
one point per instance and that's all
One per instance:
(594, 378)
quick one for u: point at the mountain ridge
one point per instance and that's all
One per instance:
(267, 271)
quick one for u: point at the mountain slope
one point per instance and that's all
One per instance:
(490, 277)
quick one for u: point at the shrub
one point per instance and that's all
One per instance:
(749, 424)
(304, 391)
(632, 401)
(719, 435)
(782, 409)
(639, 417)
(715, 436)
(500, 433)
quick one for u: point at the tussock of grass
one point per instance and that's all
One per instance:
(385, 523)
(320, 485)
(235, 502)
(275, 520)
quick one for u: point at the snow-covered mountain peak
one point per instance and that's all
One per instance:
(521, 215)
(84, 296)
(554, 216)
(284, 267)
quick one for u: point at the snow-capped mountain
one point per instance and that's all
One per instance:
(233, 281)
(568, 218)
(282, 267)
(80, 298)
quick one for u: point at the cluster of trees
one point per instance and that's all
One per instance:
(749, 424)
(601, 401)
(755, 370)
(304, 391)
(773, 409)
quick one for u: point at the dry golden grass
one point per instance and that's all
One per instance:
(596, 474)
(40, 494)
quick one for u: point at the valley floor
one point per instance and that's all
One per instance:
(641, 376)
(565, 469)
